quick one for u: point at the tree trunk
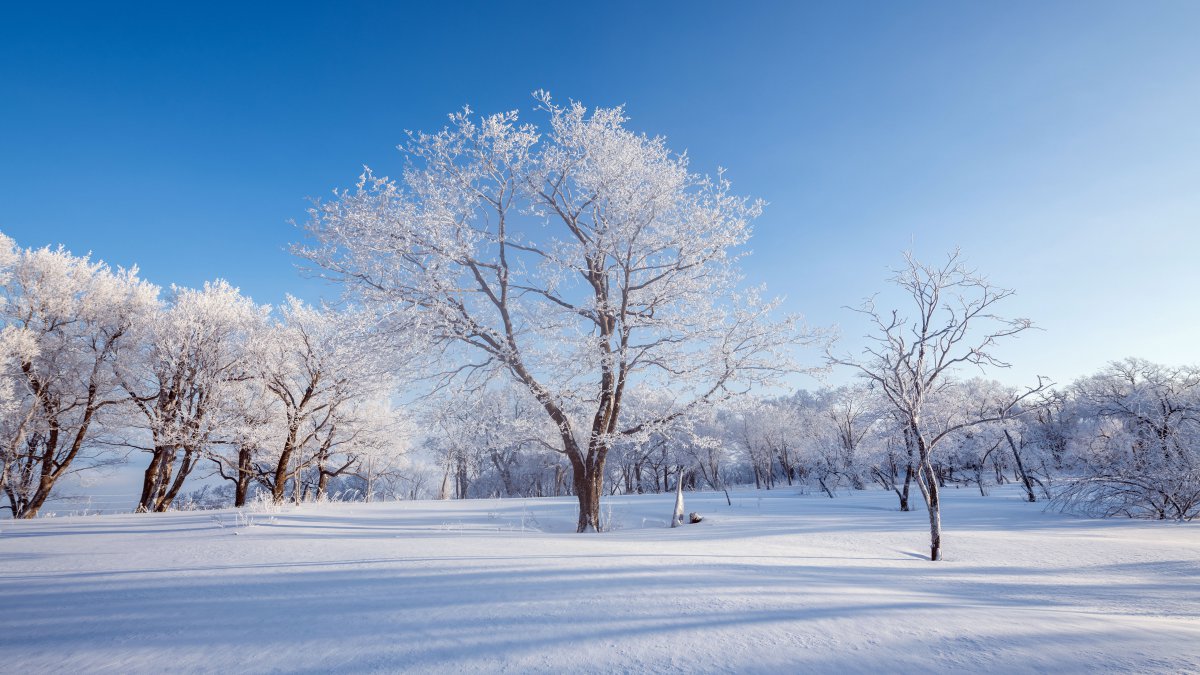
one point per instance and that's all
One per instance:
(34, 505)
(821, 481)
(51, 468)
(444, 491)
(462, 482)
(677, 515)
(588, 486)
(281, 474)
(150, 481)
(927, 481)
(370, 479)
(241, 486)
(322, 485)
(1021, 468)
(168, 494)
(903, 494)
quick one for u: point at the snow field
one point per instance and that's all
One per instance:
(778, 582)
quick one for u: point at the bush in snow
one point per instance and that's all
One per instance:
(1137, 448)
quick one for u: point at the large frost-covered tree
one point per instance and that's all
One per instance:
(579, 259)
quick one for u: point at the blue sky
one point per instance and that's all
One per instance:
(1057, 143)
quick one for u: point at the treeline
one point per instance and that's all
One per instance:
(98, 366)
(294, 403)
(1122, 442)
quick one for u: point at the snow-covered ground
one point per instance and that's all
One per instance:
(778, 582)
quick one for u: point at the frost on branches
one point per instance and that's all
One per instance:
(1137, 447)
(322, 390)
(911, 360)
(68, 323)
(190, 354)
(579, 259)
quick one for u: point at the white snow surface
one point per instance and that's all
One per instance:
(779, 582)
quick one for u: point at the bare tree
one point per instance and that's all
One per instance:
(911, 360)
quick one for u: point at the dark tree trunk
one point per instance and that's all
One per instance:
(45, 484)
(279, 485)
(903, 494)
(241, 484)
(169, 493)
(322, 485)
(588, 486)
(52, 465)
(150, 480)
(821, 480)
(1021, 468)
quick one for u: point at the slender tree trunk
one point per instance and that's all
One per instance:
(461, 481)
(297, 484)
(370, 479)
(279, 486)
(1021, 468)
(444, 491)
(677, 515)
(821, 481)
(927, 481)
(241, 486)
(903, 494)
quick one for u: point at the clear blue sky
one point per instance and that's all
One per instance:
(1057, 143)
